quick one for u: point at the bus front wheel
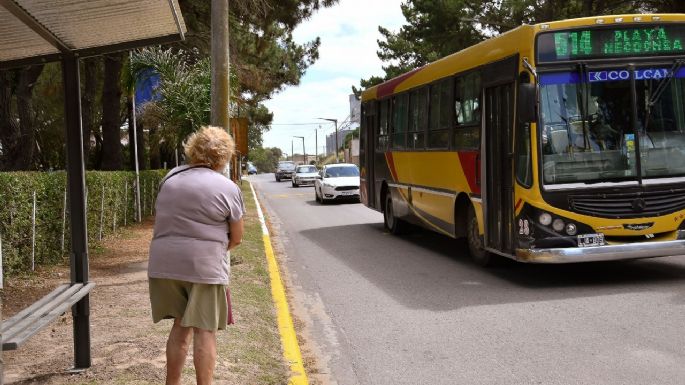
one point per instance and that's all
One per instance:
(393, 224)
(476, 243)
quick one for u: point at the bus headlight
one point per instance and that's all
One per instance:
(558, 225)
(571, 229)
(545, 219)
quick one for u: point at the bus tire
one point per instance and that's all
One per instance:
(476, 242)
(393, 224)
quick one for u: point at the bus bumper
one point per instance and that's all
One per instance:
(603, 253)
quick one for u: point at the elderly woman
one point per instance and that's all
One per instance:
(198, 218)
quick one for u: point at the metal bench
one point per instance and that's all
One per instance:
(19, 328)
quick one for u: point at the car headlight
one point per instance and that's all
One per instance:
(325, 184)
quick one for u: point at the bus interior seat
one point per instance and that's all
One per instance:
(559, 140)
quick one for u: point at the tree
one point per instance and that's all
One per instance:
(18, 134)
(265, 159)
(437, 28)
(263, 53)
(111, 114)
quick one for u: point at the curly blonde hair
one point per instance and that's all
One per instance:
(209, 145)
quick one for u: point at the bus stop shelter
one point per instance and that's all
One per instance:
(40, 31)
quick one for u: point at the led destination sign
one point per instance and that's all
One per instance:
(601, 43)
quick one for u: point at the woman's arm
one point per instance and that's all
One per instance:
(235, 233)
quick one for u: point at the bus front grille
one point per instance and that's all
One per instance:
(629, 205)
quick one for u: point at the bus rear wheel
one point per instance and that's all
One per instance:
(476, 243)
(393, 224)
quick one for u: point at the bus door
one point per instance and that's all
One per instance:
(497, 145)
(367, 152)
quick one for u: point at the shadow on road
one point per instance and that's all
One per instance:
(427, 270)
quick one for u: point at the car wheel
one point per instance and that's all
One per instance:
(476, 242)
(393, 224)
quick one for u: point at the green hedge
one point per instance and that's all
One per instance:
(110, 200)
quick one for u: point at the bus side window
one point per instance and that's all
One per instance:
(400, 121)
(383, 129)
(418, 114)
(440, 110)
(467, 112)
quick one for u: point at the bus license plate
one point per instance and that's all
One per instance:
(589, 240)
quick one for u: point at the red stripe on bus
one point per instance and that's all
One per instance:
(469, 166)
(518, 204)
(391, 165)
(388, 88)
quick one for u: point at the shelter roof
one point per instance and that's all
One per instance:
(37, 31)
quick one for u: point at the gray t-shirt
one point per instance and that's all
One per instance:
(190, 237)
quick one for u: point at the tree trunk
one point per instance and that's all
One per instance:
(140, 139)
(8, 125)
(88, 114)
(111, 113)
(26, 143)
(142, 164)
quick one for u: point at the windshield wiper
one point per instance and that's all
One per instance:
(583, 94)
(663, 84)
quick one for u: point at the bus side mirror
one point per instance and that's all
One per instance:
(527, 103)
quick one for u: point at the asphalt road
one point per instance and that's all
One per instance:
(380, 309)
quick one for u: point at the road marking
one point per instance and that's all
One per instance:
(288, 195)
(291, 349)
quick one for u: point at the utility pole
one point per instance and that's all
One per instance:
(220, 67)
(335, 121)
(292, 150)
(304, 152)
(316, 144)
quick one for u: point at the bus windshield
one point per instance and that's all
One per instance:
(587, 133)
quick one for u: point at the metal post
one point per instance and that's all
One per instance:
(135, 152)
(77, 208)
(33, 234)
(125, 200)
(335, 121)
(102, 210)
(116, 203)
(64, 220)
(292, 150)
(316, 144)
(1, 276)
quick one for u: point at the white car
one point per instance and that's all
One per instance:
(338, 181)
(305, 176)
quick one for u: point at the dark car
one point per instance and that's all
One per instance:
(251, 169)
(285, 170)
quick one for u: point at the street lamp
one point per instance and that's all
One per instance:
(304, 152)
(335, 121)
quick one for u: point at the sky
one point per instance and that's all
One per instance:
(348, 32)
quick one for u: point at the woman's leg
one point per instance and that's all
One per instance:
(176, 351)
(204, 355)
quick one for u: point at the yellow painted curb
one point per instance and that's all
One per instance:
(291, 349)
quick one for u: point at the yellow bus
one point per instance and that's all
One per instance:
(552, 143)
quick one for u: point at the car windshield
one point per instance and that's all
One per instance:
(306, 169)
(587, 133)
(338, 172)
(286, 166)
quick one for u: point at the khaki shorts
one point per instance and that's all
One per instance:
(197, 305)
